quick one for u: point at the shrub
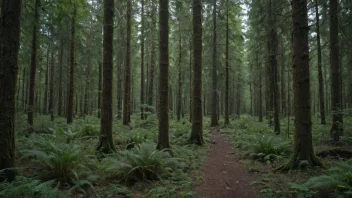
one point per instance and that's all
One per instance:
(142, 163)
(59, 161)
(27, 187)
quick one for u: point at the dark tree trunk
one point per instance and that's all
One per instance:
(46, 85)
(337, 119)
(163, 136)
(142, 64)
(33, 63)
(100, 86)
(214, 103)
(120, 62)
(190, 81)
(127, 90)
(320, 73)
(59, 112)
(272, 44)
(106, 144)
(23, 106)
(9, 46)
(179, 91)
(51, 92)
(89, 70)
(260, 100)
(197, 116)
(303, 145)
(71, 87)
(152, 60)
(227, 117)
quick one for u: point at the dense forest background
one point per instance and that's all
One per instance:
(132, 76)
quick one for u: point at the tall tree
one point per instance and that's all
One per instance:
(71, 86)
(51, 92)
(163, 135)
(272, 45)
(33, 63)
(337, 119)
(197, 115)
(9, 46)
(227, 117)
(60, 99)
(142, 62)
(152, 58)
(214, 103)
(127, 90)
(106, 144)
(303, 145)
(320, 73)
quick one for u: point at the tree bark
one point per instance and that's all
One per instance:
(227, 117)
(179, 91)
(60, 99)
(33, 64)
(163, 135)
(214, 103)
(320, 73)
(337, 119)
(106, 144)
(127, 90)
(9, 46)
(197, 115)
(152, 60)
(100, 86)
(142, 63)
(303, 145)
(51, 92)
(71, 87)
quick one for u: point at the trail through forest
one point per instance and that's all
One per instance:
(223, 176)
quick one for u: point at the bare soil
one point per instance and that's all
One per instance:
(223, 175)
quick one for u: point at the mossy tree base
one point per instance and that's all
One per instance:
(297, 163)
(105, 146)
(197, 135)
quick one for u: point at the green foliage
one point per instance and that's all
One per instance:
(59, 161)
(27, 187)
(142, 163)
(338, 178)
(270, 145)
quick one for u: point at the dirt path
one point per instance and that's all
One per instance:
(223, 176)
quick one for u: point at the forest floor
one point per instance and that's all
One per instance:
(223, 175)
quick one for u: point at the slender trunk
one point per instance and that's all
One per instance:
(227, 117)
(100, 86)
(142, 64)
(127, 90)
(89, 70)
(191, 79)
(71, 87)
(33, 63)
(59, 113)
(337, 119)
(23, 106)
(152, 60)
(10, 30)
(320, 73)
(214, 103)
(179, 92)
(51, 92)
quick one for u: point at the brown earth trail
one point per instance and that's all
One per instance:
(223, 176)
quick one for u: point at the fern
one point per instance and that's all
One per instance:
(27, 187)
(142, 163)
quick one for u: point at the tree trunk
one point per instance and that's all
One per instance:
(303, 152)
(152, 60)
(214, 103)
(33, 63)
(197, 116)
(191, 79)
(227, 117)
(179, 91)
(142, 63)
(89, 70)
(127, 90)
(163, 135)
(72, 68)
(106, 144)
(51, 92)
(320, 73)
(337, 119)
(9, 46)
(59, 112)
(120, 62)
(100, 86)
